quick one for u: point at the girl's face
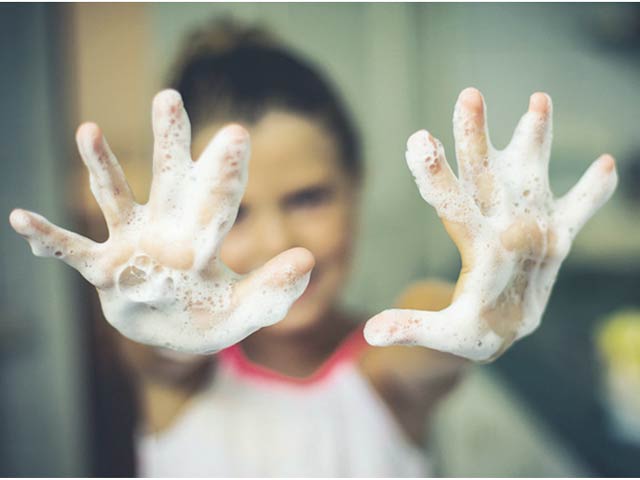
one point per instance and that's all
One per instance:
(298, 195)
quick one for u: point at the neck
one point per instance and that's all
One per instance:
(299, 354)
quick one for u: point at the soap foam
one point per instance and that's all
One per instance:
(159, 275)
(517, 233)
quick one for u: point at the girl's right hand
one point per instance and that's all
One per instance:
(159, 275)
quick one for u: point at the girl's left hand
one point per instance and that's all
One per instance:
(511, 232)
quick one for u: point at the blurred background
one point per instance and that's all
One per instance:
(544, 408)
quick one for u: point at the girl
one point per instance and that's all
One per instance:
(306, 396)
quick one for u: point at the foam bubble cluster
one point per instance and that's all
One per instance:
(512, 233)
(159, 275)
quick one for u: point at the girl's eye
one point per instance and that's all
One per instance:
(309, 197)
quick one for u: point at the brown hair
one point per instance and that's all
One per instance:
(227, 73)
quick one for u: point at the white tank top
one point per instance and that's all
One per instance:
(254, 422)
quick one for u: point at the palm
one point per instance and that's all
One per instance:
(511, 232)
(159, 275)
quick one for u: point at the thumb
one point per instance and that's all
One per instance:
(454, 330)
(265, 296)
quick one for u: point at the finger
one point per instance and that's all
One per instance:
(473, 146)
(532, 136)
(266, 295)
(592, 191)
(221, 173)
(108, 183)
(470, 133)
(171, 131)
(171, 148)
(452, 330)
(437, 184)
(283, 272)
(49, 240)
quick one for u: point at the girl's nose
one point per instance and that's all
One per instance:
(274, 235)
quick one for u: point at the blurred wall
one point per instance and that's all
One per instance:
(42, 410)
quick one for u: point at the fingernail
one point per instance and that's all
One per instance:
(471, 98)
(607, 162)
(539, 102)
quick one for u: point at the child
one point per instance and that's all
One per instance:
(306, 396)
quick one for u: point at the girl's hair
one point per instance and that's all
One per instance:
(227, 73)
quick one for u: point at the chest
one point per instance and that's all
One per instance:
(256, 427)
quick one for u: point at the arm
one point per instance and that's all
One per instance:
(164, 380)
(512, 235)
